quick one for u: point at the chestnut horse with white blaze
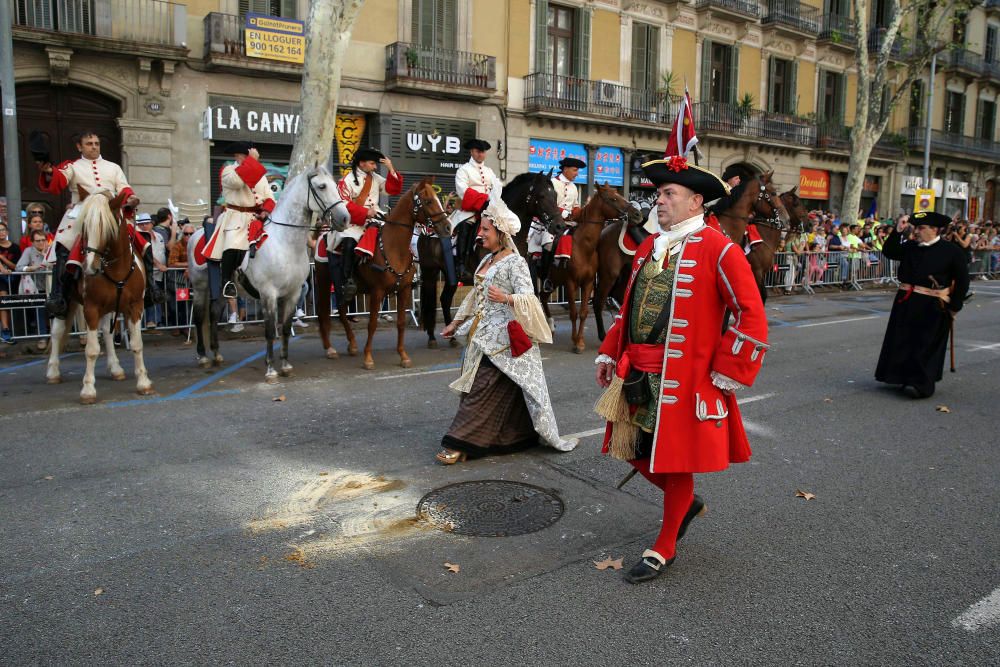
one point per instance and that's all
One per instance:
(113, 282)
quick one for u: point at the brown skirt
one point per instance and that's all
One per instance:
(492, 418)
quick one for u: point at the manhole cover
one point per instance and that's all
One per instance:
(490, 508)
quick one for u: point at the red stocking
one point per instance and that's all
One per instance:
(678, 493)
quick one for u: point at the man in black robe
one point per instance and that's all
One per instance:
(934, 278)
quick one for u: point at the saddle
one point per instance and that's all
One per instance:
(632, 236)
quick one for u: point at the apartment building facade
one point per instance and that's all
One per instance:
(168, 84)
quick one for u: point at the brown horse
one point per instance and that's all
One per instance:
(606, 204)
(113, 282)
(532, 198)
(390, 271)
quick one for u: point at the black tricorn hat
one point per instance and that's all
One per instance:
(238, 147)
(676, 169)
(364, 154)
(38, 146)
(478, 144)
(572, 162)
(931, 219)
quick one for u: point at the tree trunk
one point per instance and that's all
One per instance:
(329, 33)
(862, 142)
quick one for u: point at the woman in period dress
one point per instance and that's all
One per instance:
(505, 403)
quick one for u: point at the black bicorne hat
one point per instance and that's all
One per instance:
(676, 169)
(931, 219)
(364, 154)
(478, 144)
(38, 146)
(572, 162)
(238, 147)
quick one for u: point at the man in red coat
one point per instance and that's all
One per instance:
(669, 371)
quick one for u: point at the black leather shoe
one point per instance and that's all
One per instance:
(698, 508)
(350, 289)
(647, 569)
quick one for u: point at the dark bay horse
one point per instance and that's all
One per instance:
(390, 271)
(606, 204)
(532, 198)
(113, 282)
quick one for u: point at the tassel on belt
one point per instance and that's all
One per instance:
(942, 294)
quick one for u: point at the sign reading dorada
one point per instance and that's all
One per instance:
(275, 38)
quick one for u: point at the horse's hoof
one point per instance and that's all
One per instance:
(331, 353)
(406, 363)
(146, 391)
(432, 344)
(453, 343)
(369, 365)
(88, 400)
(54, 380)
(118, 377)
(271, 379)
(352, 350)
(204, 362)
(286, 372)
(577, 350)
(217, 361)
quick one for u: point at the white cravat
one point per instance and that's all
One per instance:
(930, 243)
(674, 237)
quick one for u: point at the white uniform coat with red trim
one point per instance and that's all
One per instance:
(92, 176)
(243, 185)
(471, 176)
(698, 427)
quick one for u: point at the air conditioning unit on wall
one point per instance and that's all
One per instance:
(608, 93)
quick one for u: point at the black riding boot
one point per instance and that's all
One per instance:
(347, 262)
(62, 284)
(544, 266)
(230, 261)
(154, 294)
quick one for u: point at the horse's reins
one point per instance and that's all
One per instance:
(119, 284)
(419, 206)
(622, 213)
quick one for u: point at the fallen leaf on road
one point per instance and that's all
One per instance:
(943, 408)
(48, 478)
(804, 494)
(98, 592)
(298, 556)
(608, 562)
(279, 399)
(323, 474)
(828, 400)
(452, 567)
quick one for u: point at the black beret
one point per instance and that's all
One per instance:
(572, 162)
(38, 146)
(478, 144)
(676, 169)
(365, 154)
(931, 219)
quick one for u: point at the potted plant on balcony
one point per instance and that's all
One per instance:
(744, 109)
(412, 58)
(664, 93)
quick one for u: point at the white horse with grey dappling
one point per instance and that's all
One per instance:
(280, 266)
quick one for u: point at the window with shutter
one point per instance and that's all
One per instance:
(990, 48)
(581, 55)
(541, 36)
(792, 101)
(645, 56)
(953, 112)
(916, 117)
(561, 49)
(985, 119)
(434, 24)
(706, 71)
(773, 83)
(733, 74)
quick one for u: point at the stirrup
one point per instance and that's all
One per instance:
(228, 293)
(547, 286)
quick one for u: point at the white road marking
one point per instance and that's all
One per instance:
(982, 615)
(853, 319)
(976, 348)
(761, 430)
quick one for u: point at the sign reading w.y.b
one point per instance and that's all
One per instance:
(275, 38)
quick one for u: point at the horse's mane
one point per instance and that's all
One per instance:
(521, 179)
(727, 202)
(97, 221)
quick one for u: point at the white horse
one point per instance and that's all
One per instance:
(278, 270)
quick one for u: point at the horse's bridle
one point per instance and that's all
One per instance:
(531, 202)
(622, 212)
(119, 284)
(420, 207)
(326, 214)
(774, 221)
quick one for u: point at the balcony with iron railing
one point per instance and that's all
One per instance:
(964, 61)
(138, 27)
(877, 38)
(739, 8)
(837, 30)
(548, 94)
(225, 47)
(953, 143)
(835, 136)
(449, 72)
(792, 15)
(732, 121)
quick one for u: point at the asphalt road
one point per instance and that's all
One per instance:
(214, 524)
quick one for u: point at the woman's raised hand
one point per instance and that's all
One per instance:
(497, 295)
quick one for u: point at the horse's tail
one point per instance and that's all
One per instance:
(97, 221)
